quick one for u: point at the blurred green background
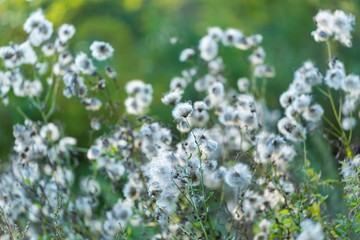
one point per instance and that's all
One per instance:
(140, 31)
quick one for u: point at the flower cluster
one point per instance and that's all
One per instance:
(337, 79)
(297, 101)
(337, 24)
(223, 169)
(140, 97)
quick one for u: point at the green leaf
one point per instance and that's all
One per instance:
(315, 209)
(27, 181)
(284, 212)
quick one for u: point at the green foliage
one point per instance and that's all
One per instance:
(140, 32)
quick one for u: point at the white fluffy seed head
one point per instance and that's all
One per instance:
(310, 230)
(208, 48)
(215, 33)
(101, 50)
(172, 98)
(50, 132)
(313, 113)
(186, 54)
(181, 111)
(291, 130)
(66, 32)
(348, 123)
(239, 176)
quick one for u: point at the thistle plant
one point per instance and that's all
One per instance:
(229, 167)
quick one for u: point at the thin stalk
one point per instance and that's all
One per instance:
(263, 88)
(239, 205)
(337, 114)
(193, 205)
(47, 97)
(343, 133)
(189, 188)
(53, 100)
(116, 84)
(351, 130)
(335, 129)
(202, 182)
(253, 83)
(183, 229)
(112, 105)
(22, 113)
(80, 149)
(333, 133)
(38, 107)
(328, 46)
(237, 208)
(323, 92)
(306, 162)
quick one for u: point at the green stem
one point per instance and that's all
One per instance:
(202, 182)
(337, 117)
(38, 107)
(53, 101)
(22, 113)
(48, 93)
(236, 210)
(351, 130)
(112, 105)
(335, 130)
(193, 205)
(189, 189)
(328, 46)
(306, 161)
(253, 83)
(323, 92)
(263, 88)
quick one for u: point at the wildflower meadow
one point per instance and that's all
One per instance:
(226, 166)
